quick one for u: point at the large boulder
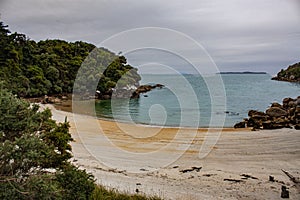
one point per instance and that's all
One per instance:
(285, 102)
(240, 125)
(276, 112)
(298, 101)
(275, 104)
(256, 113)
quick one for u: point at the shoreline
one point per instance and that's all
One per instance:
(222, 173)
(66, 106)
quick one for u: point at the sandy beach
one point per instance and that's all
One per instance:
(165, 161)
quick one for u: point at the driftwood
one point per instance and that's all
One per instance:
(246, 176)
(197, 169)
(233, 180)
(292, 178)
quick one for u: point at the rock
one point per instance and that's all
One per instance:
(51, 100)
(275, 117)
(240, 125)
(255, 123)
(256, 112)
(286, 101)
(284, 192)
(276, 112)
(267, 124)
(298, 101)
(159, 85)
(145, 88)
(275, 104)
(297, 109)
(291, 111)
(292, 104)
(271, 178)
(260, 117)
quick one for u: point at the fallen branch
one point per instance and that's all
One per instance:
(246, 176)
(292, 178)
(233, 180)
(197, 169)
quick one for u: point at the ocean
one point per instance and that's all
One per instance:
(198, 101)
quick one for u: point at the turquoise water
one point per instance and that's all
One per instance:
(187, 101)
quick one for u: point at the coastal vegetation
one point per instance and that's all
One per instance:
(35, 150)
(291, 74)
(35, 157)
(34, 69)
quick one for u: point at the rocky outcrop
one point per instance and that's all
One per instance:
(291, 74)
(285, 115)
(127, 92)
(145, 88)
(53, 99)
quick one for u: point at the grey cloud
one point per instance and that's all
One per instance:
(255, 34)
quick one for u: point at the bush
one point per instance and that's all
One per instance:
(101, 192)
(33, 145)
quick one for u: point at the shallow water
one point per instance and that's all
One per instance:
(196, 101)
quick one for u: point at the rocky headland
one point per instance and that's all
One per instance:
(291, 74)
(285, 115)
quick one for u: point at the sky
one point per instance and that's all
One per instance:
(236, 35)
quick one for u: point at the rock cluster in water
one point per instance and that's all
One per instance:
(133, 93)
(285, 115)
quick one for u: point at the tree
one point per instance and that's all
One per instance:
(34, 154)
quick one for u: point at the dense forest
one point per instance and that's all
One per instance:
(33, 69)
(291, 74)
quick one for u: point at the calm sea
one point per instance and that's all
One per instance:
(188, 100)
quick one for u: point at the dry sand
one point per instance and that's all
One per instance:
(130, 157)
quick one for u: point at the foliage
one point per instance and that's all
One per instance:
(34, 154)
(35, 150)
(32, 69)
(101, 192)
(77, 183)
(292, 73)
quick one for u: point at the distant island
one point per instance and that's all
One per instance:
(247, 72)
(291, 74)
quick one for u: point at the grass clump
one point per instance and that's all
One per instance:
(101, 192)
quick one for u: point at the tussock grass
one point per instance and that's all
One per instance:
(101, 193)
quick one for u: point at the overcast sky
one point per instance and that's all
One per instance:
(239, 35)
